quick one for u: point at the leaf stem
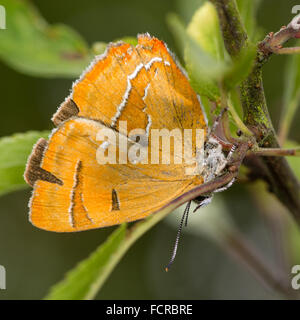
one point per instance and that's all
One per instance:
(132, 235)
(240, 124)
(276, 152)
(292, 50)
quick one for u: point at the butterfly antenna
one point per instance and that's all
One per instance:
(184, 218)
(187, 213)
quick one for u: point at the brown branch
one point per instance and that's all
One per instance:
(270, 276)
(278, 174)
(276, 152)
(274, 41)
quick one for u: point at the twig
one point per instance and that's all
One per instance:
(274, 41)
(278, 174)
(294, 50)
(276, 152)
(271, 278)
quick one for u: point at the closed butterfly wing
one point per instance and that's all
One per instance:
(141, 85)
(73, 192)
(135, 84)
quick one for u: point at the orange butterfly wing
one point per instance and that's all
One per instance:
(128, 83)
(87, 195)
(143, 86)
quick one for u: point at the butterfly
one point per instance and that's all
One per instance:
(145, 87)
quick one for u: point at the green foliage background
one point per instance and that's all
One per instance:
(34, 259)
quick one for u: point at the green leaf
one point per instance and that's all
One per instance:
(187, 8)
(14, 151)
(80, 283)
(241, 68)
(203, 69)
(86, 279)
(204, 28)
(131, 40)
(291, 100)
(30, 45)
(248, 10)
(99, 47)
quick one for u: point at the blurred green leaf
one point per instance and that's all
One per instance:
(14, 151)
(30, 45)
(241, 68)
(85, 280)
(80, 282)
(99, 47)
(204, 28)
(291, 98)
(248, 10)
(188, 8)
(203, 69)
(131, 40)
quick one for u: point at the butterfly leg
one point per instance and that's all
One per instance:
(202, 201)
(221, 131)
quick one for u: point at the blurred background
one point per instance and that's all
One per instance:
(204, 267)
